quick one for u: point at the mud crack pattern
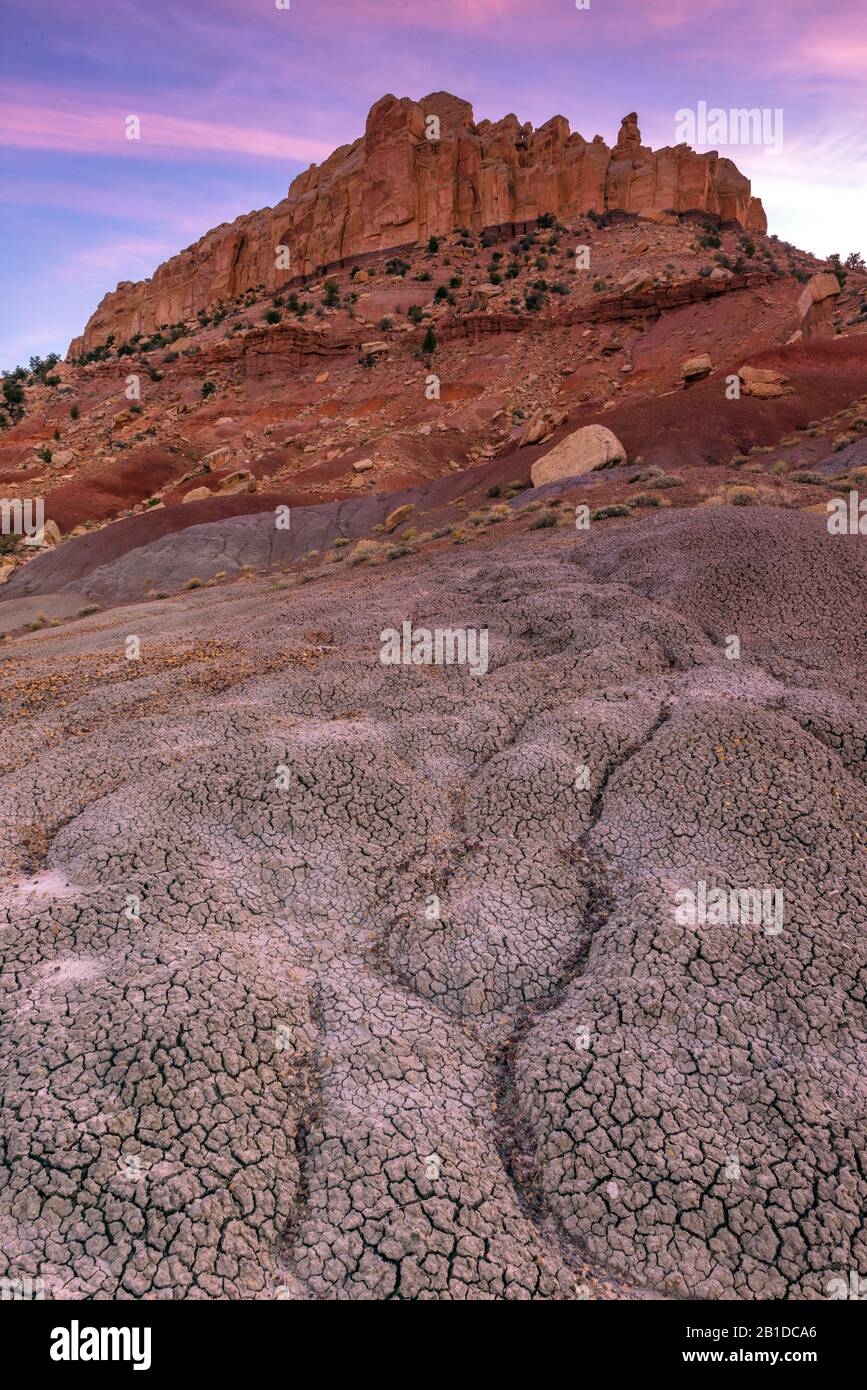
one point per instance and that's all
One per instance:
(351, 981)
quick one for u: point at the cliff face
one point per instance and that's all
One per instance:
(395, 187)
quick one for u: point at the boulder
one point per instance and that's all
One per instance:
(762, 390)
(362, 465)
(817, 304)
(635, 281)
(583, 451)
(399, 515)
(817, 289)
(762, 382)
(197, 494)
(542, 426)
(695, 367)
(242, 480)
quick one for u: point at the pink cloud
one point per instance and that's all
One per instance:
(30, 119)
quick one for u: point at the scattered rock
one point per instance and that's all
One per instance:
(695, 367)
(394, 519)
(542, 426)
(635, 281)
(240, 481)
(762, 382)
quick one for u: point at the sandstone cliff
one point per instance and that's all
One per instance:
(396, 187)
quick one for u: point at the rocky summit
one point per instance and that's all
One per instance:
(432, 811)
(423, 169)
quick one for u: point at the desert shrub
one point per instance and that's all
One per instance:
(613, 509)
(273, 316)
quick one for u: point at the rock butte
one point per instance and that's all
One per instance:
(394, 188)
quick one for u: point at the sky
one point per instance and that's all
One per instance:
(236, 97)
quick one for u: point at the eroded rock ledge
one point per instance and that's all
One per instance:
(394, 187)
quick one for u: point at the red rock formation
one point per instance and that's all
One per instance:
(397, 186)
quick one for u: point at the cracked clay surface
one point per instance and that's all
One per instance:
(323, 978)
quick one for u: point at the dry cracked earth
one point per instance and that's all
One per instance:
(328, 979)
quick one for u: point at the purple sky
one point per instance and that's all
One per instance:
(237, 96)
